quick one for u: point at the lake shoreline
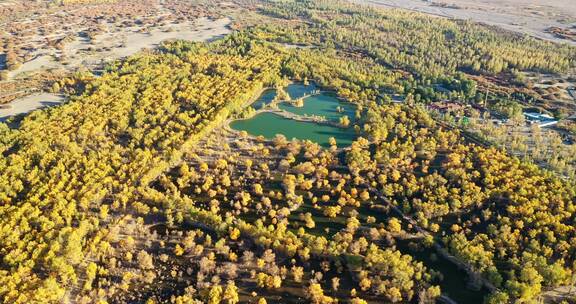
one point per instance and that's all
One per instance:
(305, 122)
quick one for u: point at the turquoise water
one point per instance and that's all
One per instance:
(297, 90)
(264, 99)
(270, 124)
(325, 105)
(454, 282)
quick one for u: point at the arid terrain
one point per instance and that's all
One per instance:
(29, 103)
(524, 16)
(120, 42)
(41, 41)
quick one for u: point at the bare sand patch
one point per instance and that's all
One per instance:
(122, 42)
(523, 16)
(30, 103)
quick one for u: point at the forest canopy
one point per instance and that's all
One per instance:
(137, 190)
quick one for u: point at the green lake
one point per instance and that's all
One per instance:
(270, 124)
(264, 99)
(324, 104)
(297, 90)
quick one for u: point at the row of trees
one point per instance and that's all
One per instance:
(432, 174)
(123, 129)
(427, 46)
(67, 172)
(504, 214)
(308, 214)
(441, 56)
